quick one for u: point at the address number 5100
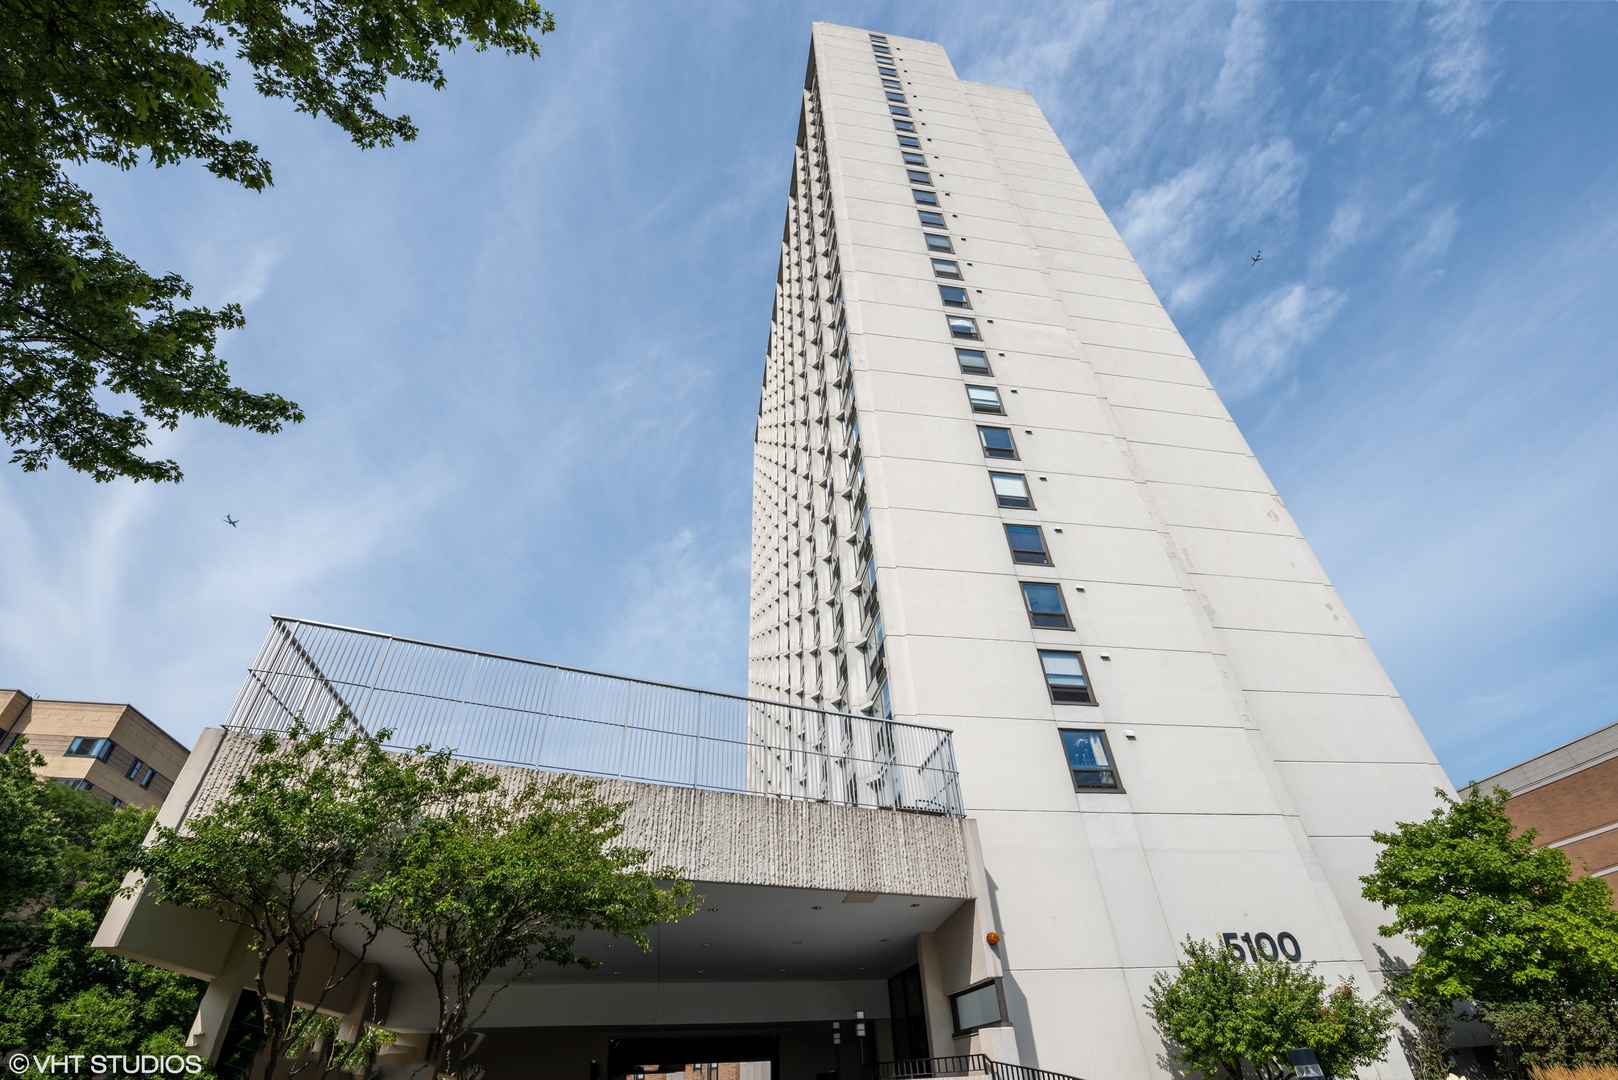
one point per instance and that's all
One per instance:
(1263, 946)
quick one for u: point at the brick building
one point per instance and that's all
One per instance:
(1570, 794)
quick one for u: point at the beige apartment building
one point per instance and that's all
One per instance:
(114, 751)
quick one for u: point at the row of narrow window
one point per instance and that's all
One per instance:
(811, 618)
(1088, 755)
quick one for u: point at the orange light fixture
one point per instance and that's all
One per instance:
(994, 938)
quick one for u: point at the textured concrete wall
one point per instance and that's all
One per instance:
(718, 836)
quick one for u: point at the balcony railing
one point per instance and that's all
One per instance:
(500, 709)
(960, 1065)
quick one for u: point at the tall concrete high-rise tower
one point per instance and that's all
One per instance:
(996, 493)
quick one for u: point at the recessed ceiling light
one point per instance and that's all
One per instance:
(884, 939)
(915, 905)
(797, 943)
(816, 907)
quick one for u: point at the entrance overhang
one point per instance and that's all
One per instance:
(824, 900)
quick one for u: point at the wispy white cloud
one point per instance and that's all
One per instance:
(1263, 183)
(1158, 62)
(1459, 66)
(675, 616)
(1260, 342)
(1165, 227)
(1346, 228)
(1246, 62)
(1184, 230)
(1434, 240)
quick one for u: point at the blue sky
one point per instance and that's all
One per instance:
(529, 343)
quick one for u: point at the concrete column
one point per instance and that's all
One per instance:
(218, 1005)
(352, 1026)
(940, 1024)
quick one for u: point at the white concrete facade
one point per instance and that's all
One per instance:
(1257, 740)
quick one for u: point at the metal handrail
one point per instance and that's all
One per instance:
(957, 1065)
(501, 709)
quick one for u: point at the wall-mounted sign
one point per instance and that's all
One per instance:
(1262, 946)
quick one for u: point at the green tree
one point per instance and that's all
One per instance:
(1425, 1035)
(1217, 1011)
(502, 880)
(1496, 919)
(1566, 1033)
(305, 834)
(29, 846)
(59, 995)
(119, 81)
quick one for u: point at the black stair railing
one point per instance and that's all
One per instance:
(958, 1065)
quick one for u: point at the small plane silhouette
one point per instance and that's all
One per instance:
(231, 521)
(1256, 259)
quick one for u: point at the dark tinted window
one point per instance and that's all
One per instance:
(1089, 761)
(1045, 606)
(997, 442)
(85, 746)
(1027, 544)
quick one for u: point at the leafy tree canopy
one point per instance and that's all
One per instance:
(326, 829)
(501, 881)
(1497, 919)
(93, 348)
(58, 995)
(307, 830)
(1217, 1011)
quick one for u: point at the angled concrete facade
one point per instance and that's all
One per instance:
(1189, 734)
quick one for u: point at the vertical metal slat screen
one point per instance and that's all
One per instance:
(501, 709)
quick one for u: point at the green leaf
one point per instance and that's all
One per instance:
(125, 81)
